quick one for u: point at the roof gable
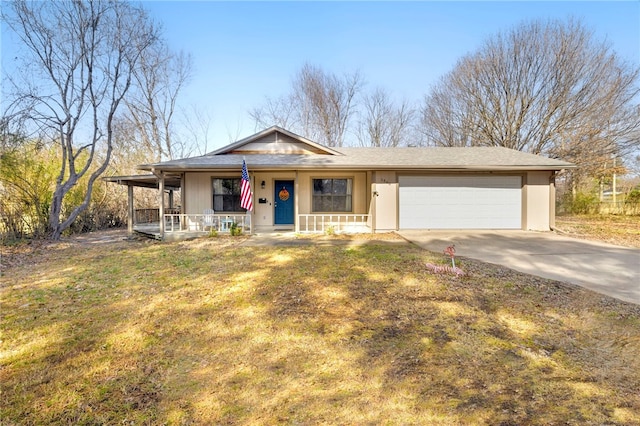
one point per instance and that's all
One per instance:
(275, 140)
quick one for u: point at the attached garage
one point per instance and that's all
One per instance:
(460, 202)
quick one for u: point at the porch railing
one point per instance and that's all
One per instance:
(201, 222)
(322, 223)
(151, 215)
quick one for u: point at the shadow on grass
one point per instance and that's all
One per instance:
(179, 334)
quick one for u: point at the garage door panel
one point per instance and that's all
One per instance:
(460, 202)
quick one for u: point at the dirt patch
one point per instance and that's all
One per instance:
(12, 255)
(101, 237)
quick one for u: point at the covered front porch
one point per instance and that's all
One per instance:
(171, 222)
(177, 226)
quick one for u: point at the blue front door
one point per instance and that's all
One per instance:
(283, 204)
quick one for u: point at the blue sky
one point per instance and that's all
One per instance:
(245, 51)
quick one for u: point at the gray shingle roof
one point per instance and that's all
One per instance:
(433, 158)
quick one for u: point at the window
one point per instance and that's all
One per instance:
(226, 195)
(332, 195)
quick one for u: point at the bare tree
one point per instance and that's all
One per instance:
(320, 106)
(327, 101)
(197, 124)
(542, 88)
(383, 123)
(282, 111)
(83, 55)
(158, 81)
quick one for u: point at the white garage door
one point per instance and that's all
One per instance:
(460, 202)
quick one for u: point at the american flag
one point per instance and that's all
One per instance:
(245, 189)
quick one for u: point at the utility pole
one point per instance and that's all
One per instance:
(614, 183)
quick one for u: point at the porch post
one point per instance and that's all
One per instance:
(171, 198)
(131, 211)
(161, 209)
(251, 214)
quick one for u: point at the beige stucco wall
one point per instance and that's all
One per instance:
(537, 205)
(198, 191)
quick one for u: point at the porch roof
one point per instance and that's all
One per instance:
(145, 181)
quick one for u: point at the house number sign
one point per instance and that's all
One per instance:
(283, 194)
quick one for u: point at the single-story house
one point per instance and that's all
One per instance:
(300, 185)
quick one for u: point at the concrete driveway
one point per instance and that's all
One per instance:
(605, 268)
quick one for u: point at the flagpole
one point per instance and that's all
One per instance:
(246, 193)
(251, 191)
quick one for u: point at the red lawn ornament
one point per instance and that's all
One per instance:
(451, 251)
(444, 269)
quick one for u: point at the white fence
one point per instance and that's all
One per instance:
(202, 222)
(329, 223)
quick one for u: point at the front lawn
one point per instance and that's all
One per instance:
(614, 229)
(210, 332)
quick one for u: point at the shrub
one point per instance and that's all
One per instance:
(235, 230)
(633, 197)
(584, 203)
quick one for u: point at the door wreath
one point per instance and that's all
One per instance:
(283, 194)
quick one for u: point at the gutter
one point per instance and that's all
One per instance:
(413, 168)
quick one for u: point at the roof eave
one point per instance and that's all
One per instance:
(415, 167)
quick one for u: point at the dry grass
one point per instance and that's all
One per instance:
(209, 332)
(619, 230)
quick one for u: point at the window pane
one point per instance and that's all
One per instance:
(226, 195)
(217, 203)
(339, 186)
(332, 195)
(227, 186)
(229, 203)
(217, 186)
(327, 184)
(316, 203)
(322, 186)
(340, 203)
(327, 204)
